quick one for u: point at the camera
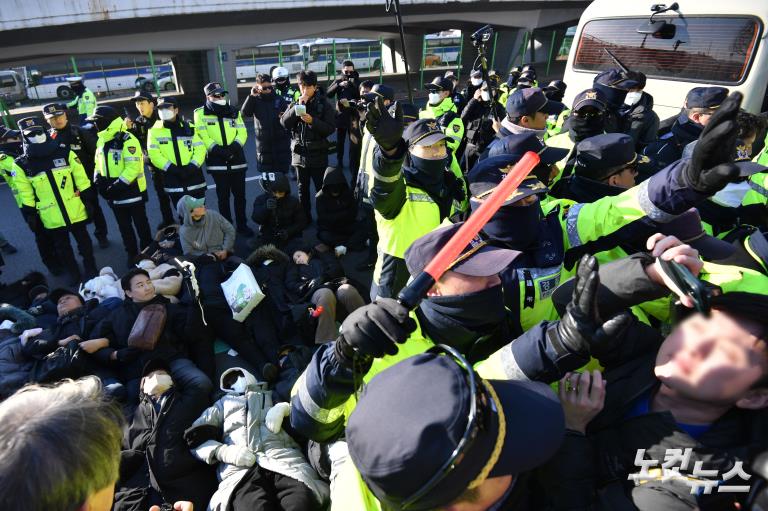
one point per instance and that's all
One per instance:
(481, 36)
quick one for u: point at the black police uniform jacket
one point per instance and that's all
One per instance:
(309, 142)
(81, 141)
(273, 142)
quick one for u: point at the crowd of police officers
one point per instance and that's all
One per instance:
(613, 180)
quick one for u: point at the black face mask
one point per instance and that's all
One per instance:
(101, 123)
(460, 320)
(518, 227)
(427, 174)
(585, 127)
(281, 82)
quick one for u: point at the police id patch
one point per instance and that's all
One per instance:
(59, 162)
(456, 128)
(132, 150)
(548, 286)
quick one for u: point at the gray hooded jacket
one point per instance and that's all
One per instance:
(211, 233)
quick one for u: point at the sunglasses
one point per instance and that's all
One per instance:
(268, 87)
(480, 414)
(217, 95)
(588, 115)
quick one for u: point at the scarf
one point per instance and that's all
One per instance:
(227, 110)
(521, 130)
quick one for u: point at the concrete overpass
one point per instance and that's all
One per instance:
(193, 30)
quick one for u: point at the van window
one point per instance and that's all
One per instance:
(7, 81)
(713, 50)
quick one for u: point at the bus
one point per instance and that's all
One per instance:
(702, 43)
(102, 75)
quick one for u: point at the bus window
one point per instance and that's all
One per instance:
(7, 81)
(712, 50)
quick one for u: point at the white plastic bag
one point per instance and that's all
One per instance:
(242, 292)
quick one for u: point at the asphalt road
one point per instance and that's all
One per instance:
(27, 258)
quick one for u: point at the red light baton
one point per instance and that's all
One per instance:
(412, 294)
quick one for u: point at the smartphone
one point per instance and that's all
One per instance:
(300, 110)
(687, 284)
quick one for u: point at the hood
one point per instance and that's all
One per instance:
(114, 127)
(184, 213)
(265, 252)
(280, 184)
(333, 176)
(252, 383)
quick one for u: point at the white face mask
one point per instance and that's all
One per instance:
(633, 97)
(165, 114)
(476, 81)
(220, 102)
(485, 95)
(239, 385)
(37, 139)
(157, 384)
(434, 98)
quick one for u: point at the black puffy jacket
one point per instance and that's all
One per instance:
(336, 205)
(273, 142)
(288, 217)
(309, 142)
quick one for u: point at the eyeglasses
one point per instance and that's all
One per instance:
(587, 115)
(480, 413)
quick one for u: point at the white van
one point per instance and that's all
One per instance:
(12, 86)
(701, 43)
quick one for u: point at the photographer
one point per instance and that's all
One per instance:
(478, 117)
(344, 88)
(355, 110)
(273, 143)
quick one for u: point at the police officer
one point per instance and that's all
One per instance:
(413, 190)
(139, 126)
(606, 165)
(586, 119)
(282, 80)
(222, 130)
(84, 99)
(700, 104)
(614, 85)
(642, 123)
(83, 143)
(463, 310)
(121, 180)
(175, 148)
(475, 82)
(391, 440)
(55, 194)
(458, 98)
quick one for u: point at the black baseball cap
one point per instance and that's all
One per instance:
(140, 95)
(478, 259)
(54, 110)
(488, 173)
(440, 83)
(477, 73)
(529, 101)
(603, 155)
(382, 91)
(410, 112)
(705, 97)
(590, 97)
(168, 102)
(519, 144)
(214, 88)
(30, 124)
(411, 416)
(423, 132)
(55, 295)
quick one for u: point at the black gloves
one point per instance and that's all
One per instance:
(581, 330)
(711, 166)
(115, 189)
(31, 217)
(173, 170)
(220, 152)
(455, 186)
(374, 330)
(386, 130)
(271, 203)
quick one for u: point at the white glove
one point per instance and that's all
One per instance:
(236, 455)
(275, 416)
(340, 250)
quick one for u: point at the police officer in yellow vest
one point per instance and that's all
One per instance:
(84, 100)
(55, 193)
(222, 130)
(174, 147)
(441, 107)
(413, 189)
(120, 179)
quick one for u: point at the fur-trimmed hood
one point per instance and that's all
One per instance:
(266, 252)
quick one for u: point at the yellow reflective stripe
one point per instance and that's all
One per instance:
(315, 411)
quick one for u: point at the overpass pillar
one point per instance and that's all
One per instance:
(508, 48)
(392, 58)
(190, 71)
(222, 67)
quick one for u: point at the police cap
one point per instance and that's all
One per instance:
(486, 175)
(411, 417)
(604, 155)
(590, 97)
(168, 102)
(705, 97)
(142, 95)
(214, 88)
(54, 110)
(30, 124)
(528, 102)
(423, 132)
(439, 84)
